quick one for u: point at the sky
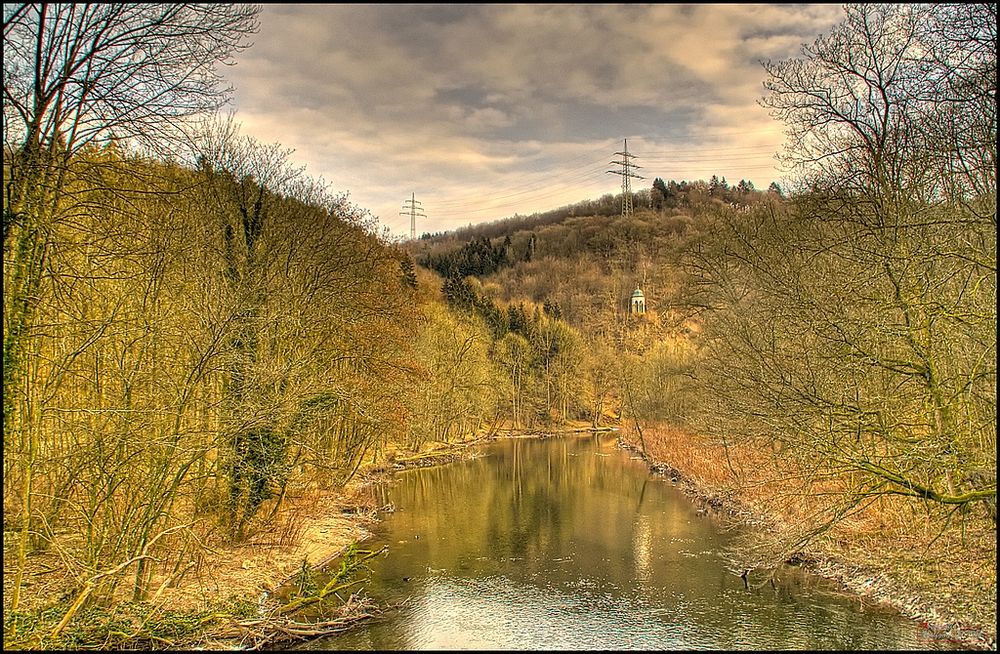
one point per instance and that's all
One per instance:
(481, 112)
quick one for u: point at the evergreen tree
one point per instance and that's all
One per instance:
(409, 275)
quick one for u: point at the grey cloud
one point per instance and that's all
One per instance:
(382, 95)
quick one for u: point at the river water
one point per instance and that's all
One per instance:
(569, 543)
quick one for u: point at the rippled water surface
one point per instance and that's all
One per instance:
(569, 543)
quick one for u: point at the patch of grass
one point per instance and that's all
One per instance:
(125, 626)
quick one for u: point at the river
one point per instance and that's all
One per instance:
(570, 543)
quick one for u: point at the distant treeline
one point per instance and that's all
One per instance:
(662, 195)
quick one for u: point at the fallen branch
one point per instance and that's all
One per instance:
(348, 566)
(264, 632)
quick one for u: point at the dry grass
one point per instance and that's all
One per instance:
(930, 565)
(312, 526)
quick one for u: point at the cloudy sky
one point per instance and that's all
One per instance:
(484, 111)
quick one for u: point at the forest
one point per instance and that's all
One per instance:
(196, 331)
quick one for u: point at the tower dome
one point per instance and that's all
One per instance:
(637, 303)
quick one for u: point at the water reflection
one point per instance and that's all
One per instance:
(568, 543)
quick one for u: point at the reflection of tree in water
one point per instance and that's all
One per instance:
(554, 508)
(552, 522)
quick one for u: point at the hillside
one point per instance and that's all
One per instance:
(211, 359)
(585, 259)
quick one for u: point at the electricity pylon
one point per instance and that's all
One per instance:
(412, 209)
(627, 176)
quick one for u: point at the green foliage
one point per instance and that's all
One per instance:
(478, 257)
(258, 465)
(305, 580)
(126, 626)
(350, 572)
(661, 196)
(409, 275)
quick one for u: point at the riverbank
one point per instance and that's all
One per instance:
(953, 596)
(223, 599)
(328, 523)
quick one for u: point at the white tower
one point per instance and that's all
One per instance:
(637, 303)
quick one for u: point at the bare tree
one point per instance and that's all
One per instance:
(856, 333)
(313, 356)
(76, 74)
(895, 105)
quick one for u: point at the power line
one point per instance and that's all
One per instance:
(413, 209)
(717, 159)
(675, 156)
(670, 162)
(560, 189)
(550, 191)
(699, 150)
(627, 176)
(530, 187)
